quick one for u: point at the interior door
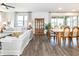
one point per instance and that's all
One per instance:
(39, 26)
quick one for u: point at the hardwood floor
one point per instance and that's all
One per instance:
(41, 46)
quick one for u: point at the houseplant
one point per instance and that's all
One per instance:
(47, 27)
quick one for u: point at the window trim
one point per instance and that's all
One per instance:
(15, 22)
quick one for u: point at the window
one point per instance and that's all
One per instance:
(57, 21)
(74, 21)
(53, 23)
(60, 21)
(21, 21)
(70, 21)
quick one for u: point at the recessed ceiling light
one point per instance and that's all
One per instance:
(73, 10)
(59, 8)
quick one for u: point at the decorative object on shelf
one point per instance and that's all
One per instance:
(2, 28)
(1, 31)
(29, 26)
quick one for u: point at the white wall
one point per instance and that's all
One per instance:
(8, 16)
(0, 17)
(44, 15)
(3, 17)
(11, 17)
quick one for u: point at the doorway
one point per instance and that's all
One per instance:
(39, 26)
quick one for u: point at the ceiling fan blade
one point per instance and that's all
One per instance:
(10, 6)
(2, 4)
(7, 6)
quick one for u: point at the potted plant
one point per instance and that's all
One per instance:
(47, 27)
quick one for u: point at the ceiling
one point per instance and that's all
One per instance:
(43, 7)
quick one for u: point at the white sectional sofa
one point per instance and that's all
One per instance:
(15, 46)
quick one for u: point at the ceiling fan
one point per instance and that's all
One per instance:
(7, 6)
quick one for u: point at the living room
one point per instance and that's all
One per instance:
(27, 27)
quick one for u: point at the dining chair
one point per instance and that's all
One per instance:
(66, 34)
(53, 34)
(75, 32)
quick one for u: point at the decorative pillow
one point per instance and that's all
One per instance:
(16, 34)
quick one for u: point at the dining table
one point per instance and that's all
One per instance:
(59, 34)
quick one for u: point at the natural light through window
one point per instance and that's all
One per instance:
(70, 21)
(56, 22)
(21, 21)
